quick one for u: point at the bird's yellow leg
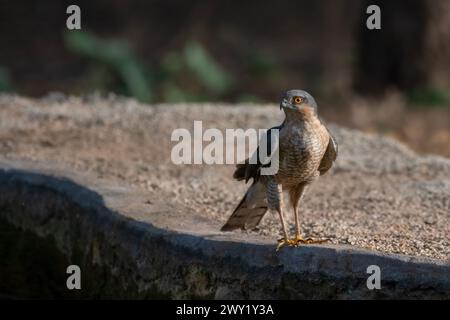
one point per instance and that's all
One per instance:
(275, 197)
(283, 242)
(298, 240)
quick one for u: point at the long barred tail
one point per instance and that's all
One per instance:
(249, 211)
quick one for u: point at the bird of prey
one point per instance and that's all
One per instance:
(306, 150)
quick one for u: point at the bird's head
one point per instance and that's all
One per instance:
(298, 101)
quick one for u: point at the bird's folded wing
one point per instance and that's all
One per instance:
(251, 169)
(329, 156)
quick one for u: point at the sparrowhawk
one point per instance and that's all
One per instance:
(306, 150)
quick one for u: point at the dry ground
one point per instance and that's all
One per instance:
(380, 195)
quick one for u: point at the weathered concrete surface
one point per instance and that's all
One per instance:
(100, 228)
(379, 196)
(90, 181)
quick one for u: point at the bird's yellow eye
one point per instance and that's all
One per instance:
(298, 100)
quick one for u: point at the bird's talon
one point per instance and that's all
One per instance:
(300, 240)
(285, 242)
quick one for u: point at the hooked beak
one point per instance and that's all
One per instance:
(286, 104)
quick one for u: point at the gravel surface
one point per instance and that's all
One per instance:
(380, 195)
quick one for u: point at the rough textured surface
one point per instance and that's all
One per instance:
(119, 238)
(380, 195)
(90, 182)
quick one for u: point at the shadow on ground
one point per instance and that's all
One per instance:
(49, 222)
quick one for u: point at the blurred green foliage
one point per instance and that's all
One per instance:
(5, 80)
(249, 98)
(114, 55)
(260, 65)
(169, 77)
(192, 67)
(429, 97)
(188, 74)
(207, 71)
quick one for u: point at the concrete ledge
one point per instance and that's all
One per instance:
(122, 255)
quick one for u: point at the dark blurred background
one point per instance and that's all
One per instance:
(395, 80)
